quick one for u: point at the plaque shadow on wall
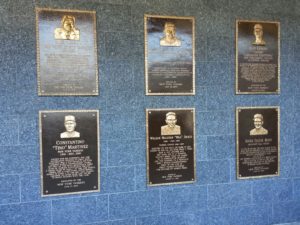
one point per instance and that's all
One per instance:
(169, 55)
(170, 146)
(257, 142)
(66, 52)
(69, 151)
(257, 57)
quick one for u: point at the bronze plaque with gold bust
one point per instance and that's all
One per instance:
(169, 55)
(257, 141)
(257, 57)
(170, 146)
(69, 149)
(66, 52)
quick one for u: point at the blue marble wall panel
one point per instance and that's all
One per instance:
(183, 200)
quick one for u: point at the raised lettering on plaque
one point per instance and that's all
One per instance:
(169, 55)
(257, 142)
(170, 146)
(257, 57)
(66, 52)
(69, 148)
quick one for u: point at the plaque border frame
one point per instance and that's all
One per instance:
(147, 146)
(41, 151)
(38, 67)
(146, 54)
(237, 142)
(237, 51)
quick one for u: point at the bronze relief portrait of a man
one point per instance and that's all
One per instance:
(67, 31)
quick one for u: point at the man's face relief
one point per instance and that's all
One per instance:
(258, 123)
(170, 31)
(68, 24)
(171, 121)
(258, 32)
(70, 126)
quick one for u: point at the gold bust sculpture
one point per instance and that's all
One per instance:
(67, 31)
(258, 33)
(170, 38)
(171, 128)
(258, 121)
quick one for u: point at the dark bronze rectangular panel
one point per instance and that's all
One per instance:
(69, 148)
(66, 52)
(257, 142)
(257, 57)
(170, 146)
(169, 55)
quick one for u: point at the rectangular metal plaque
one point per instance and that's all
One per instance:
(66, 52)
(257, 142)
(69, 149)
(257, 57)
(170, 146)
(169, 55)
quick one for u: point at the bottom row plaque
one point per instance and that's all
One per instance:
(257, 142)
(69, 151)
(170, 146)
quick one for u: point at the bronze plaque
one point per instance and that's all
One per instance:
(69, 148)
(257, 142)
(170, 146)
(257, 57)
(66, 52)
(169, 55)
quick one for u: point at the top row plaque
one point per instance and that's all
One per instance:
(67, 54)
(257, 57)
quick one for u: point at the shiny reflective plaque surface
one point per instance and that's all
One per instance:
(169, 55)
(66, 52)
(170, 146)
(257, 142)
(257, 57)
(69, 148)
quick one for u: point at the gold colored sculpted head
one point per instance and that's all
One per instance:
(67, 31)
(68, 22)
(258, 33)
(170, 38)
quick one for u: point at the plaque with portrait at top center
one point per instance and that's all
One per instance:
(169, 55)
(69, 146)
(66, 52)
(257, 142)
(170, 146)
(257, 57)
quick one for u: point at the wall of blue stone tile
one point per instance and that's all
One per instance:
(217, 198)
